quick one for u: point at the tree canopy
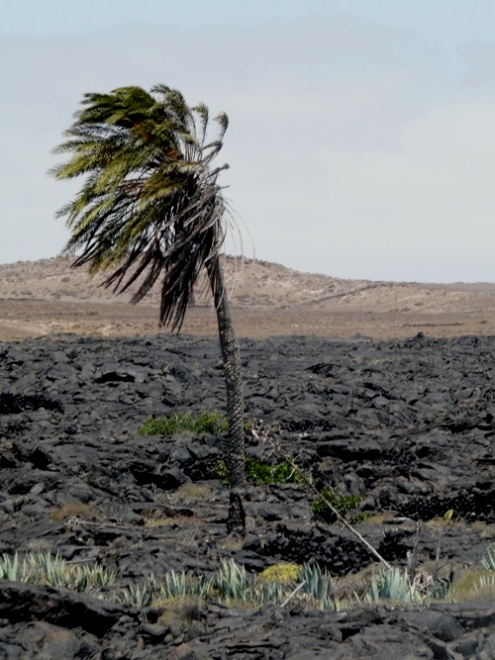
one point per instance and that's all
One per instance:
(151, 206)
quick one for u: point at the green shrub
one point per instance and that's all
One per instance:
(220, 471)
(390, 584)
(265, 474)
(208, 422)
(261, 474)
(342, 503)
(394, 584)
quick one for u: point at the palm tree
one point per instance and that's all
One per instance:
(151, 208)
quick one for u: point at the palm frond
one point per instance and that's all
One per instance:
(150, 206)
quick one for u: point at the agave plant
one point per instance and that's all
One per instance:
(394, 584)
(13, 570)
(317, 583)
(488, 560)
(137, 595)
(231, 581)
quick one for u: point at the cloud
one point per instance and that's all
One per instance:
(355, 150)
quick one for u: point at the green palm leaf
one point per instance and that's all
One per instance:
(150, 206)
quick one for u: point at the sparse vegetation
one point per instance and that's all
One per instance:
(86, 511)
(317, 584)
(261, 474)
(395, 585)
(43, 568)
(484, 589)
(212, 422)
(344, 504)
(160, 522)
(191, 492)
(231, 584)
(472, 585)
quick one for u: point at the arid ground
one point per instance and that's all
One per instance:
(46, 296)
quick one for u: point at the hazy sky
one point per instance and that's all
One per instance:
(362, 132)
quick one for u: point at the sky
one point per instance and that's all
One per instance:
(361, 141)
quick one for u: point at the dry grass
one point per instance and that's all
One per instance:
(160, 522)
(76, 509)
(192, 492)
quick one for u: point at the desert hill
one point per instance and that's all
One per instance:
(47, 296)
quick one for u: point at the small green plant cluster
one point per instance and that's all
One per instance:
(264, 474)
(393, 584)
(173, 586)
(344, 504)
(261, 474)
(232, 584)
(43, 568)
(488, 560)
(212, 422)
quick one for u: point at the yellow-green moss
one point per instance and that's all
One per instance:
(280, 573)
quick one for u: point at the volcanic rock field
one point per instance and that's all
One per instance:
(407, 425)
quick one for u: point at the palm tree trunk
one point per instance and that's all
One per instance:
(235, 453)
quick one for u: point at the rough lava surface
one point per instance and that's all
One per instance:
(406, 423)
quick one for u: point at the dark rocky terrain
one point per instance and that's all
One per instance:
(407, 424)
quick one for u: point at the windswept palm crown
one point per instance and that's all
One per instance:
(151, 206)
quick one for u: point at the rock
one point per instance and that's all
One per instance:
(440, 625)
(408, 425)
(12, 403)
(27, 602)
(169, 478)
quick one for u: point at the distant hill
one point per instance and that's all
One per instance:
(297, 302)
